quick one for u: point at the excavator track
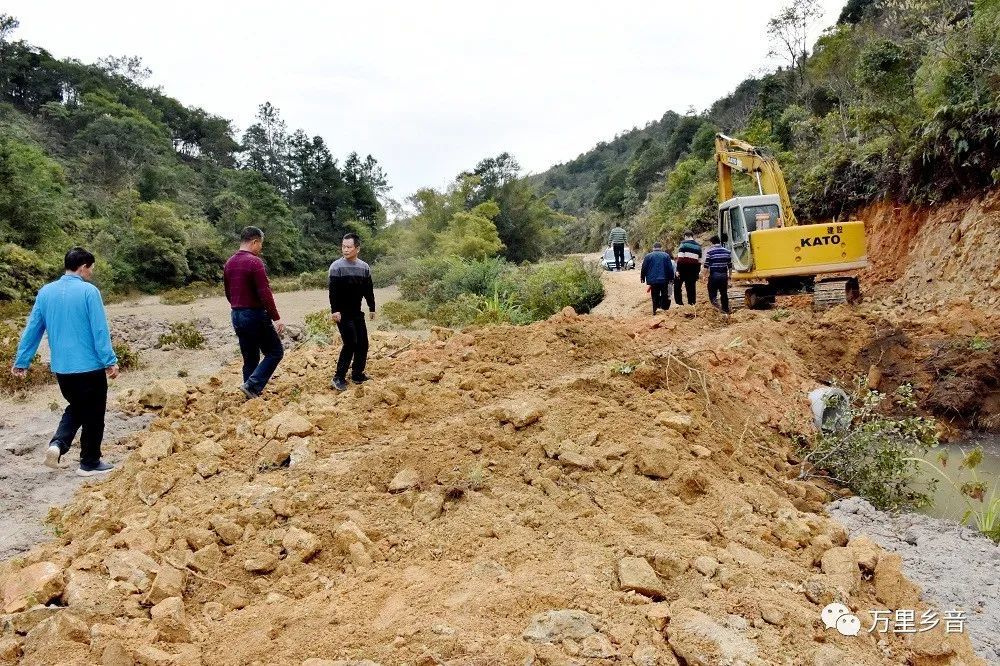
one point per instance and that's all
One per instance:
(829, 293)
(737, 298)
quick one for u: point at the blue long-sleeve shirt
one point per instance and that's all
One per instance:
(657, 268)
(71, 311)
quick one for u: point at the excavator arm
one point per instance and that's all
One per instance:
(733, 154)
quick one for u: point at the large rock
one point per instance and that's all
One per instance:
(156, 445)
(147, 655)
(227, 530)
(558, 625)
(205, 559)
(131, 565)
(428, 506)
(300, 544)
(701, 641)
(348, 533)
(35, 584)
(275, 453)
(635, 573)
(199, 537)
(165, 393)
(891, 586)
(284, 424)
(841, 565)
(404, 480)
(64, 626)
(675, 421)
(520, 415)
(151, 486)
(170, 620)
(169, 582)
(657, 460)
(866, 552)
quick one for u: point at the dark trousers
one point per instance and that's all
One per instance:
(687, 275)
(354, 333)
(661, 296)
(619, 250)
(87, 394)
(718, 287)
(257, 336)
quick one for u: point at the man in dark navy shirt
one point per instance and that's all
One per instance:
(249, 294)
(658, 271)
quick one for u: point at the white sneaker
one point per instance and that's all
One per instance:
(52, 456)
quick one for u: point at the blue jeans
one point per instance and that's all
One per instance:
(257, 336)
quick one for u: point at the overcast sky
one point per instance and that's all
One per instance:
(428, 88)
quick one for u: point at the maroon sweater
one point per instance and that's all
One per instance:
(245, 280)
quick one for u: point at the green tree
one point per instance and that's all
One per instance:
(33, 194)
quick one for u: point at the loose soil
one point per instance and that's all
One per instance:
(27, 421)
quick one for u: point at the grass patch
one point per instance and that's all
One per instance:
(184, 334)
(10, 335)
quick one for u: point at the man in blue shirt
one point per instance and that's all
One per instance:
(71, 311)
(658, 271)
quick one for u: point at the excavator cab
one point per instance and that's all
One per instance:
(742, 216)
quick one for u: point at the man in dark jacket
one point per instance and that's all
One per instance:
(350, 281)
(688, 268)
(657, 271)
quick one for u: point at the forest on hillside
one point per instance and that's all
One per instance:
(92, 155)
(900, 99)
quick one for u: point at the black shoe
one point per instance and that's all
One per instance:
(93, 470)
(338, 384)
(360, 379)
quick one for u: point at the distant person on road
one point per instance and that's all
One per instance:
(255, 316)
(719, 263)
(688, 268)
(658, 271)
(618, 237)
(71, 311)
(350, 281)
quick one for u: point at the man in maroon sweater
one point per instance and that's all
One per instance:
(249, 294)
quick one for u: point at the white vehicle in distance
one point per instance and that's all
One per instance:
(608, 261)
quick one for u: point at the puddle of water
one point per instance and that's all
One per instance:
(948, 501)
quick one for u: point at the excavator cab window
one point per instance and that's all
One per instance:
(761, 217)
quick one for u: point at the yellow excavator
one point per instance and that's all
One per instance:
(773, 254)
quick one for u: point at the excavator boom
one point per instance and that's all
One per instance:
(733, 154)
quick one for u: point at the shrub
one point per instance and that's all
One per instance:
(184, 334)
(545, 289)
(319, 327)
(188, 294)
(389, 271)
(10, 335)
(403, 312)
(421, 275)
(875, 455)
(128, 358)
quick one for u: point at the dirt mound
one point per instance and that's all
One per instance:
(926, 257)
(581, 490)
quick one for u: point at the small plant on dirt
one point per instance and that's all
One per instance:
(476, 478)
(624, 368)
(182, 373)
(874, 454)
(979, 344)
(982, 504)
(53, 406)
(184, 334)
(319, 327)
(778, 315)
(128, 358)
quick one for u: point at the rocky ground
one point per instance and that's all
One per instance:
(955, 566)
(583, 490)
